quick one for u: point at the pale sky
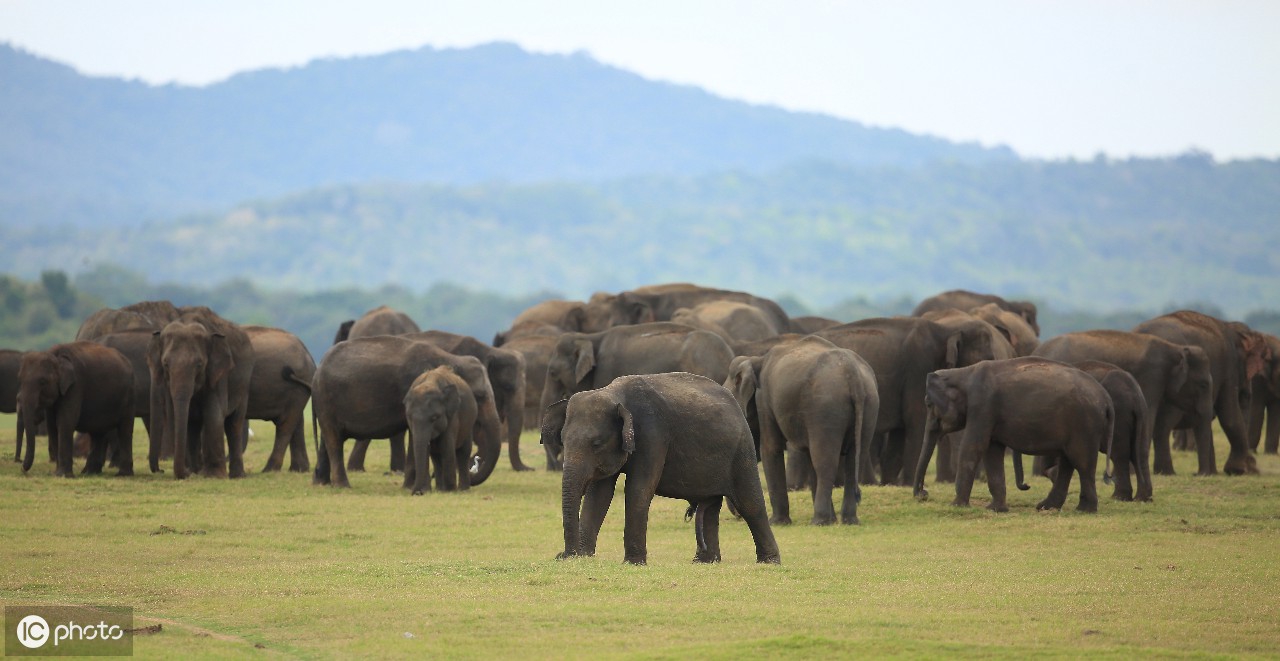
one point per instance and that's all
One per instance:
(1049, 78)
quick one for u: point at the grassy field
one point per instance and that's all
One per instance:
(272, 566)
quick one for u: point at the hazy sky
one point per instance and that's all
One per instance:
(1048, 78)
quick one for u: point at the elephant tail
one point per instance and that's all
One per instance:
(1111, 426)
(315, 436)
(288, 374)
(1018, 474)
(688, 514)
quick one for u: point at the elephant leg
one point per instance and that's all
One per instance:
(799, 469)
(329, 466)
(1061, 481)
(994, 460)
(595, 504)
(513, 446)
(1160, 430)
(1206, 456)
(1240, 459)
(397, 452)
(553, 461)
(97, 457)
(1121, 458)
(891, 457)
(1142, 468)
(299, 462)
(707, 529)
(1272, 445)
(1183, 440)
(461, 461)
(638, 495)
(946, 467)
(283, 437)
(355, 463)
(447, 469)
(826, 461)
(235, 427)
(747, 500)
(775, 477)
(1085, 463)
(1257, 412)
(973, 446)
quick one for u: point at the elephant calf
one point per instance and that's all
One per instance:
(1032, 405)
(440, 410)
(676, 435)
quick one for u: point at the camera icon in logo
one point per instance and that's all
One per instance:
(33, 631)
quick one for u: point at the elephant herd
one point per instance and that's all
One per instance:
(684, 388)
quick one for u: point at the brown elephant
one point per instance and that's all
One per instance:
(1031, 405)
(10, 361)
(145, 315)
(1174, 378)
(1013, 326)
(1265, 402)
(441, 413)
(201, 368)
(381, 320)
(359, 391)
(551, 317)
(1236, 355)
(506, 370)
(960, 299)
(659, 303)
(80, 386)
(732, 320)
(279, 391)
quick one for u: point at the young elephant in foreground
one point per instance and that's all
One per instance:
(676, 435)
(440, 410)
(1032, 405)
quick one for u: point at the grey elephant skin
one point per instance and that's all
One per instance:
(1236, 354)
(1174, 378)
(960, 299)
(201, 367)
(382, 320)
(732, 320)
(279, 391)
(819, 402)
(359, 391)
(79, 386)
(441, 412)
(506, 370)
(676, 435)
(134, 345)
(903, 351)
(551, 317)
(1265, 402)
(1031, 405)
(586, 361)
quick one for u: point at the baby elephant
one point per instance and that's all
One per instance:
(676, 435)
(441, 411)
(1032, 405)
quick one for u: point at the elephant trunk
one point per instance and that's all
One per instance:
(572, 486)
(179, 416)
(488, 441)
(28, 422)
(1018, 475)
(515, 422)
(931, 431)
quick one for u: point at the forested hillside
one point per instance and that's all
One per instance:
(1099, 235)
(97, 151)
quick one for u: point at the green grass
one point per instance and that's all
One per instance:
(373, 572)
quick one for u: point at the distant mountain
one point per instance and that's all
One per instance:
(97, 151)
(1098, 235)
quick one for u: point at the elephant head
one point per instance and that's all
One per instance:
(43, 377)
(186, 361)
(599, 437)
(969, 343)
(946, 410)
(569, 368)
(1190, 384)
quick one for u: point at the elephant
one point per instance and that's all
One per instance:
(551, 317)
(279, 391)
(1236, 354)
(381, 320)
(676, 435)
(359, 390)
(1002, 348)
(1174, 378)
(1266, 401)
(506, 375)
(732, 320)
(134, 344)
(201, 367)
(1032, 405)
(659, 302)
(10, 360)
(820, 402)
(441, 412)
(1130, 438)
(145, 315)
(81, 386)
(810, 324)
(1013, 326)
(586, 361)
(903, 351)
(967, 300)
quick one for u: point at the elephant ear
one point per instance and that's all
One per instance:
(743, 381)
(574, 320)
(635, 310)
(1181, 370)
(220, 359)
(553, 425)
(1008, 334)
(953, 349)
(584, 359)
(1256, 353)
(628, 429)
(451, 398)
(66, 374)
